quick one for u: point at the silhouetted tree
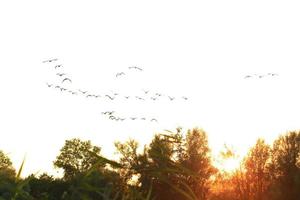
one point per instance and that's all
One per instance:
(6, 168)
(285, 169)
(77, 157)
(197, 159)
(257, 170)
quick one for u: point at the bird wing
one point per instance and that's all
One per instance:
(66, 79)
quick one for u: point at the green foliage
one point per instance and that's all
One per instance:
(76, 157)
(174, 166)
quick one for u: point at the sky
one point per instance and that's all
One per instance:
(199, 49)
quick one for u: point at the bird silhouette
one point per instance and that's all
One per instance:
(133, 118)
(139, 98)
(63, 89)
(146, 91)
(110, 97)
(153, 120)
(137, 68)
(153, 98)
(185, 98)
(60, 74)
(248, 76)
(127, 97)
(57, 86)
(66, 79)
(272, 74)
(120, 74)
(49, 85)
(83, 92)
(171, 98)
(57, 66)
(108, 112)
(50, 60)
(89, 95)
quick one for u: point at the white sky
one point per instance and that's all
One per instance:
(199, 49)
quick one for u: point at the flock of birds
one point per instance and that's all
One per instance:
(260, 75)
(146, 95)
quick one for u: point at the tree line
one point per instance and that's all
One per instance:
(174, 166)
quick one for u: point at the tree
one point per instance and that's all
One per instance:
(257, 170)
(6, 168)
(77, 157)
(197, 159)
(285, 169)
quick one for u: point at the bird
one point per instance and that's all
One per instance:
(158, 94)
(133, 118)
(50, 60)
(60, 74)
(112, 117)
(120, 74)
(171, 98)
(89, 95)
(83, 92)
(146, 91)
(143, 118)
(137, 68)
(49, 85)
(57, 66)
(127, 97)
(111, 98)
(97, 96)
(139, 98)
(66, 79)
(153, 120)
(185, 98)
(260, 76)
(108, 112)
(63, 89)
(272, 74)
(153, 98)
(248, 76)
(57, 86)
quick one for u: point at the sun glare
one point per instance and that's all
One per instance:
(229, 165)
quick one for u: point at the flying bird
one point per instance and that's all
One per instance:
(60, 74)
(272, 74)
(66, 79)
(49, 85)
(153, 120)
(111, 98)
(83, 92)
(63, 89)
(127, 97)
(57, 66)
(133, 118)
(108, 112)
(171, 98)
(146, 91)
(248, 76)
(137, 68)
(185, 98)
(139, 98)
(120, 74)
(50, 60)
